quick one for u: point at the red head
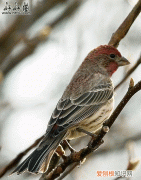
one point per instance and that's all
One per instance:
(107, 57)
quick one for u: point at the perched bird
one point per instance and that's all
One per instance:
(86, 103)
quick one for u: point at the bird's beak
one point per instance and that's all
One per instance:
(123, 61)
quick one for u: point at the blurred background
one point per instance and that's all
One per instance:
(40, 50)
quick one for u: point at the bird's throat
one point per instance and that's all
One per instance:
(112, 67)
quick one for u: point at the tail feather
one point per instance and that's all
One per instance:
(45, 164)
(39, 159)
(39, 156)
(22, 167)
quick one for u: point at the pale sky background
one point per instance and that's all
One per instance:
(35, 85)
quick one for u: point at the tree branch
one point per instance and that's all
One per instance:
(114, 147)
(43, 35)
(12, 35)
(68, 170)
(119, 145)
(129, 73)
(77, 157)
(132, 162)
(125, 26)
(95, 143)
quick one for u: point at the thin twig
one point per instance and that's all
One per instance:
(125, 26)
(31, 44)
(68, 12)
(118, 145)
(20, 21)
(133, 160)
(12, 35)
(129, 73)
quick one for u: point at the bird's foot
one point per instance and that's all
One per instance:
(87, 132)
(72, 150)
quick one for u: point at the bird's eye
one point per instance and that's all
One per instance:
(112, 55)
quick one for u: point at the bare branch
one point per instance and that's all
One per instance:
(68, 12)
(75, 158)
(118, 145)
(31, 44)
(19, 23)
(95, 143)
(133, 162)
(125, 26)
(129, 73)
(1, 76)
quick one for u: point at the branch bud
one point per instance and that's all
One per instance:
(105, 129)
(131, 85)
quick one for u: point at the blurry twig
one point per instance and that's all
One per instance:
(41, 8)
(15, 161)
(129, 72)
(125, 26)
(7, 33)
(1, 76)
(31, 44)
(95, 143)
(9, 38)
(119, 145)
(4, 104)
(132, 162)
(68, 12)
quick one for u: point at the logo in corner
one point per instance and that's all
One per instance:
(17, 9)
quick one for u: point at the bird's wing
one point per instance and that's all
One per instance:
(70, 111)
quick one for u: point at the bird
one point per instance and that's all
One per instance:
(86, 104)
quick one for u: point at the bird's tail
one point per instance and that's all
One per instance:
(38, 160)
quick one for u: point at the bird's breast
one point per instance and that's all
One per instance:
(92, 123)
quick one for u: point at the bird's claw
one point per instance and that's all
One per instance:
(87, 132)
(72, 150)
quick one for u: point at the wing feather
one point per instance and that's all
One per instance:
(69, 111)
(81, 99)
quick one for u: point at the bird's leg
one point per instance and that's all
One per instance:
(69, 146)
(90, 134)
(87, 132)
